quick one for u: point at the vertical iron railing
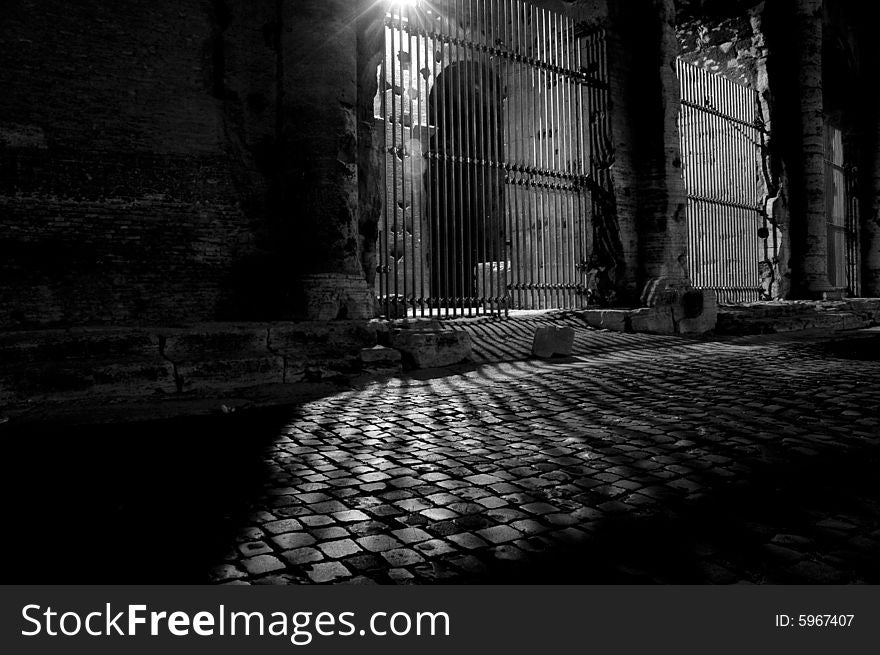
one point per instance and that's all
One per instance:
(729, 237)
(491, 111)
(841, 215)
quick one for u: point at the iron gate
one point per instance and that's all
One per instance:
(842, 211)
(489, 109)
(732, 245)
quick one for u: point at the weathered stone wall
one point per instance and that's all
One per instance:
(131, 139)
(722, 42)
(172, 161)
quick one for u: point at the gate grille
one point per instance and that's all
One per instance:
(732, 246)
(842, 215)
(490, 110)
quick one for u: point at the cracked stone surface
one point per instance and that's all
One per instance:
(647, 459)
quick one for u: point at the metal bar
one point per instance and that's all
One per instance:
(408, 256)
(478, 25)
(428, 206)
(531, 60)
(555, 151)
(544, 159)
(382, 245)
(530, 36)
(570, 223)
(503, 140)
(419, 240)
(395, 154)
(581, 115)
(468, 129)
(495, 216)
(525, 253)
(443, 264)
(460, 128)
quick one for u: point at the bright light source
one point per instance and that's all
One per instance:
(405, 3)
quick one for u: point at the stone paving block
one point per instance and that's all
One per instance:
(509, 553)
(411, 535)
(328, 572)
(350, 516)
(339, 549)
(402, 557)
(467, 540)
(253, 548)
(499, 534)
(529, 526)
(302, 556)
(328, 507)
(262, 564)
(365, 562)
(379, 543)
(412, 504)
(329, 533)
(434, 548)
(291, 540)
(468, 564)
(401, 576)
(280, 527)
(316, 520)
(540, 508)
(505, 514)
(225, 573)
(438, 514)
(492, 502)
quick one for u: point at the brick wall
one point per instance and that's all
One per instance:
(132, 137)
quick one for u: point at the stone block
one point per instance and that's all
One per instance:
(77, 344)
(431, 348)
(593, 317)
(229, 373)
(200, 342)
(551, 340)
(318, 338)
(615, 320)
(380, 357)
(653, 320)
(674, 307)
(707, 317)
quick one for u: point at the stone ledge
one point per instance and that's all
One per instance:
(110, 365)
(791, 316)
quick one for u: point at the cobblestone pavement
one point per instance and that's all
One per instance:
(651, 460)
(643, 459)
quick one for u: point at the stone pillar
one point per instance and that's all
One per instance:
(647, 127)
(318, 185)
(870, 179)
(808, 195)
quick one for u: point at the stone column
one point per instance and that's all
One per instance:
(319, 150)
(808, 194)
(870, 178)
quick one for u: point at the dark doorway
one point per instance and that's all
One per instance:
(465, 186)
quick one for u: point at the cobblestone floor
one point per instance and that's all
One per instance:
(643, 459)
